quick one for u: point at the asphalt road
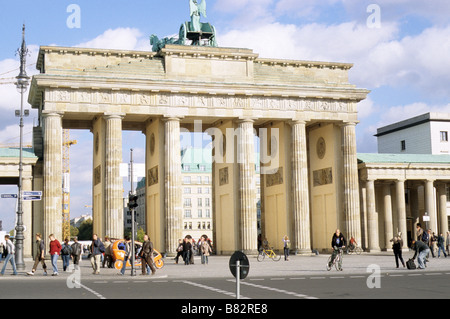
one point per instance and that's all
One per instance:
(365, 277)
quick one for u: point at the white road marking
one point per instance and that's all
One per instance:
(278, 290)
(220, 291)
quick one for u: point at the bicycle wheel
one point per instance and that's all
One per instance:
(358, 250)
(338, 263)
(329, 265)
(261, 256)
(276, 257)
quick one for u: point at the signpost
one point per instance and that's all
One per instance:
(32, 196)
(239, 267)
(9, 196)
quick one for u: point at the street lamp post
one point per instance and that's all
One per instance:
(21, 85)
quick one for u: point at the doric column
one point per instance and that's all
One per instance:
(247, 187)
(372, 217)
(442, 196)
(401, 211)
(351, 189)
(300, 189)
(173, 202)
(113, 182)
(388, 221)
(52, 191)
(430, 204)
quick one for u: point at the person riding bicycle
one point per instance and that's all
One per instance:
(337, 242)
(352, 245)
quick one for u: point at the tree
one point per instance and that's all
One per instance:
(85, 230)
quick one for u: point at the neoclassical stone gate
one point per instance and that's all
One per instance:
(311, 105)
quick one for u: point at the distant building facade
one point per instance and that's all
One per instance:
(424, 134)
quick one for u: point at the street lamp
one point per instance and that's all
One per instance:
(21, 85)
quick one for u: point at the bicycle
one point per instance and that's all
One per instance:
(354, 249)
(269, 253)
(337, 261)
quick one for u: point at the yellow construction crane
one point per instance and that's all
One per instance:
(67, 143)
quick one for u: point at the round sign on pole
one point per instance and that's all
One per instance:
(244, 265)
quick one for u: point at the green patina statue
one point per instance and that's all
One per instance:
(195, 31)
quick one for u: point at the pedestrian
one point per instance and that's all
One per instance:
(147, 256)
(422, 250)
(40, 255)
(430, 242)
(55, 250)
(440, 243)
(397, 248)
(448, 242)
(419, 232)
(10, 257)
(287, 247)
(77, 250)
(66, 251)
(187, 247)
(97, 249)
(127, 255)
(179, 250)
(205, 249)
(108, 253)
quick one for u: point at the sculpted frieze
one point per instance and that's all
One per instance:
(195, 100)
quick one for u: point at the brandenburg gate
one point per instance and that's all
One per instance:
(311, 105)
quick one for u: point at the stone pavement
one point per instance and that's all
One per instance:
(218, 267)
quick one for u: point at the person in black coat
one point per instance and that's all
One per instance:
(397, 248)
(338, 241)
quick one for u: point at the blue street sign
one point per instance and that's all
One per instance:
(32, 198)
(9, 195)
(32, 193)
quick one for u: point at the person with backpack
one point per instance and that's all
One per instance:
(10, 257)
(66, 250)
(97, 250)
(76, 252)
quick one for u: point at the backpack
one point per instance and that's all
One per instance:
(66, 250)
(425, 237)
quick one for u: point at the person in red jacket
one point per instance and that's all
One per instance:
(55, 249)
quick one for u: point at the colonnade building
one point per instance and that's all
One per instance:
(304, 112)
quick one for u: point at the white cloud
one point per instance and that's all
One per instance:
(120, 39)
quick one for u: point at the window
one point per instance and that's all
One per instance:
(202, 168)
(187, 202)
(206, 180)
(199, 202)
(186, 180)
(403, 145)
(199, 179)
(199, 190)
(199, 213)
(187, 190)
(207, 202)
(208, 213)
(444, 136)
(187, 213)
(187, 168)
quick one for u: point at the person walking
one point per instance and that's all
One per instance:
(108, 253)
(205, 249)
(55, 250)
(422, 250)
(10, 257)
(397, 248)
(287, 247)
(40, 255)
(187, 247)
(66, 250)
(127, 255)
(179, 250)
(77, 250)
(440, 243)
(147, 256)
(97, 249)
(447, 242)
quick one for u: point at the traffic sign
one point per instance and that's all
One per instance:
(32, 198)
(32, 193)
(244, 265)
(9, 195)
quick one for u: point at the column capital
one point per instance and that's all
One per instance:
(350, 123)
(172, 118)
(297, 122)
(112, 116)
(46, 114)
(245, 120)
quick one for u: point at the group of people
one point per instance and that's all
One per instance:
(187, 247)
(99, 253)
(426, 243)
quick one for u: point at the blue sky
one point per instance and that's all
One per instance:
(404, 61)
